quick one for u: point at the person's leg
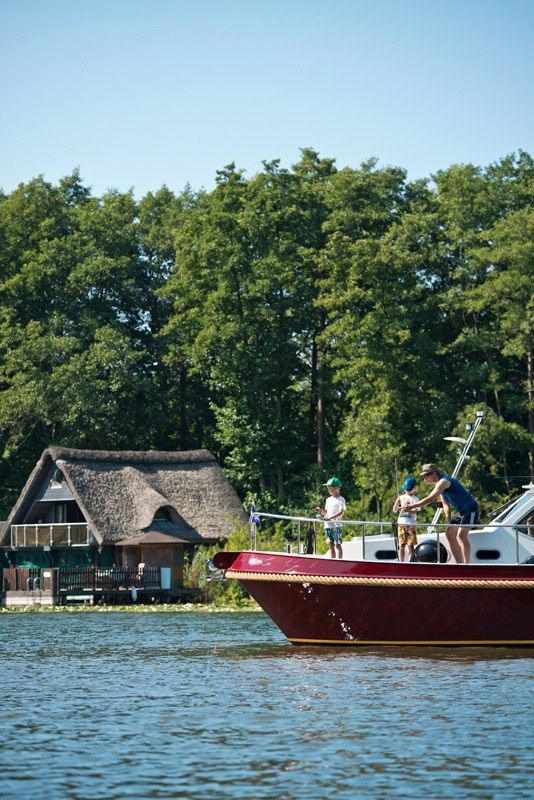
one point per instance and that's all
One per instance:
(465, 547)
(452, 538)
(402, 542)
(412, 542)
(339, 550)
(332, 548)
(467, 520)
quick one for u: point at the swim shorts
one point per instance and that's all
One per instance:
(334, 536)
(467, 518)
(408, 535)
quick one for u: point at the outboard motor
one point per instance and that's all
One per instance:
(427, 551)
(212, 572)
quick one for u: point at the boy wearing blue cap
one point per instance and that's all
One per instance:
(407, 518)
(333, 510)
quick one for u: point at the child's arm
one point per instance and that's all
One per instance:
(335, 516)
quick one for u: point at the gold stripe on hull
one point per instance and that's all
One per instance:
(465, 642)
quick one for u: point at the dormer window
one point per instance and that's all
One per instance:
(56, 479)
(163, 513)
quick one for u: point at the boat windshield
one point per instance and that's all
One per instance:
(522, 504)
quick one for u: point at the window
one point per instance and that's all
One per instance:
(488, 555)
(73, 513)
(522, 503)
(527, 522)
(56, 479)
(385, 555)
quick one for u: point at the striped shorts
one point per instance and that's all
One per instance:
(466, 518)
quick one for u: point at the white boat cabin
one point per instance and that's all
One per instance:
(507, 539)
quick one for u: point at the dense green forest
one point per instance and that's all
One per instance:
(297, 323)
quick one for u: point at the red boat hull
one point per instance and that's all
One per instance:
(322, 601)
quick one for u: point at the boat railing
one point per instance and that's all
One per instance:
(432, 529)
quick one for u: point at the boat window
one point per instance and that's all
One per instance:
(488, 555)
(528, 523)
(526, 501)
(385, 555)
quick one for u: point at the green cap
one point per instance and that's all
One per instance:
(332, 482)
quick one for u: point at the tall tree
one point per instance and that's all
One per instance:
(504, 304)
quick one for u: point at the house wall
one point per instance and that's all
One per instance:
(106, 557)
(60, 557)
(158, 555)
(153, 555)
(131, 556)
(178, 566)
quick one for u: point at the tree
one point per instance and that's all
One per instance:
(504, 303)
(74, 367)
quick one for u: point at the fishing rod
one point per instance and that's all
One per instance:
(394, 524)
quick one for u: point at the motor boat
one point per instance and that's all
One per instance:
(369, 597)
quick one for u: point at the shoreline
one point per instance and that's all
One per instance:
(161, 608)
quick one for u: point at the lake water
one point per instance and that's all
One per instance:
(195, 705)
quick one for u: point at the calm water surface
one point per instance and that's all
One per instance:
(191, 705)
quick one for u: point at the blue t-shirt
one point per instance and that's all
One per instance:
(457, 496)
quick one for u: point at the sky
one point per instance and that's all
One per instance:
(141, 93)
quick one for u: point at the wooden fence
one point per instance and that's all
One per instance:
(93, 579)
(29, 579)
(79, 579)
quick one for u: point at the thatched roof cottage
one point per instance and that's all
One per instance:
(96, 507)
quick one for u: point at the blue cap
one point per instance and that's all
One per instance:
(409, 484)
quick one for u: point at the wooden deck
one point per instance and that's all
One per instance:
(115, 586)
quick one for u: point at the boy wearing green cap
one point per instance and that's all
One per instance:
(333, 510)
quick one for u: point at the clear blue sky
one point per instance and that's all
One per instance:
(138, 93)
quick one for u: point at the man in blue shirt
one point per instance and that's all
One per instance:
(452, 494)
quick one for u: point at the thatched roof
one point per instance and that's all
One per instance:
(119, 493)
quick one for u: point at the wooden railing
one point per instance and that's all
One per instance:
(80, 579)
(100, 579)
(64, 534)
